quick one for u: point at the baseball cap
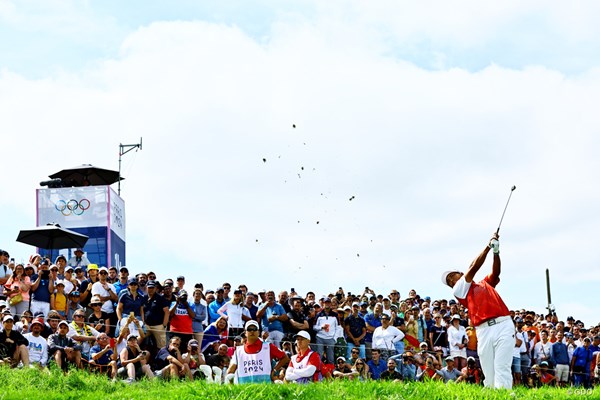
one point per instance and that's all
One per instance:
(302, 334)
(69, 268)
(151, 284)
(193, 343)
(132, 281)
(445, 275)
(63, 322)
(131, 336)
(8, 318)
(102, 269)
(251, 323)
(78, 249)
(449, 358)
(181, 278)
(37, 321)
(123, 268)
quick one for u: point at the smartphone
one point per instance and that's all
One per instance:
(292, 290)
(132, 315)
(12, 260)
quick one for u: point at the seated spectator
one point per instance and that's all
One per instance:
(390, 374)
(133, 361)
(102, 355)
(376, 365)
(214, 335)
(128, 326)
(471, 373)
(195, 360)
(546, 378)
(428, 371)
(24, 325)
(73, 304)
(342, 369)
(82, 334)
(218, 362)
(406, 366)
(98, 318)
(361, 370)
(14, 343)
(449, 373)
(169, 363)
(38, 346)
(51, 325)
(62, 348)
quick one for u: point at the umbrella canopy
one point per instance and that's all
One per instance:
(87, 175)
(52, 236)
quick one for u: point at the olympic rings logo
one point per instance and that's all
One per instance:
(72, 206)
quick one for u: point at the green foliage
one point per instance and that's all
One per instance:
(80, 385)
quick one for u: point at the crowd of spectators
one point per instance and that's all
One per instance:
(75, 314)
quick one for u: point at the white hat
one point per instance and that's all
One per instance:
(445, 275)
(302, 334)
(251, 323)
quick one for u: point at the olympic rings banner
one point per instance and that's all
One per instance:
(73, 207)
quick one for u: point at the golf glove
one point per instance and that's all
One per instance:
(495, 246)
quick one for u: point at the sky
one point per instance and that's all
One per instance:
(313, 144)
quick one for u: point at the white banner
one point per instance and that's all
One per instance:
(73, 207)
(117, 214)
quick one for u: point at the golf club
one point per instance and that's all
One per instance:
(507, 201)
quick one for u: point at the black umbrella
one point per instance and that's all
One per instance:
(52, 236)
(87, 175)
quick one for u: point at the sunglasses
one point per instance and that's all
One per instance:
(252, 329)
(354, 352)
(103, 273)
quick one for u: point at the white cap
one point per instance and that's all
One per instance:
(251, 323)
(445, 276)
(302, 334)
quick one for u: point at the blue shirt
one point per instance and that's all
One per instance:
(276, 325)
(560, 353)
(584, 357)
(41, 293)
(105, 358)
(375, 322)
(376, 369)
(130, 304)
(200, 310)
(213, 307)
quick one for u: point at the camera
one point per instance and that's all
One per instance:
(144, 353)
(45, 274)
(292, 290)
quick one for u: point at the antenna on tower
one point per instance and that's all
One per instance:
(124, 149)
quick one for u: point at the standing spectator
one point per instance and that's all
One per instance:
(51, 325)
(156, 314)
(199, 315)
(296, 319)
(236, 314)
(130, 301)
(69, 280)
(372, 322)
(305, 366)
(543, 349)
(38, 346)
(273, 315)
(79, 276)
(113, 275)
(180, 284)
(560, 356)
(16, 289)
(5, 272)
(123, 281)
(214, 306)
(85, 289)
(524, 349)
(385, 337)
(325, 327)
(255, 352)
(79, 259)
(14, 343)
(580, 364)
(226, 289)
(182, 316)
(438, 336)
(356, 330)
(41, 289)
(250, 304)
(457, 342)
(106, 292)
(73, 304)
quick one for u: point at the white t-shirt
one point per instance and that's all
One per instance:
(97, 289)
(461, 289)
(38, 349)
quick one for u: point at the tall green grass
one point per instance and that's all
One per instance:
(81, 385)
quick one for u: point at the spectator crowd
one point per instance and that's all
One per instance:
(75, 314)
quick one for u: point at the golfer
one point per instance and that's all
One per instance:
(490, 316)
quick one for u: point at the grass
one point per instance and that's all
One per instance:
(80, 385)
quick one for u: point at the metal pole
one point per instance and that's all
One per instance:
(122, 152)
(550, 308)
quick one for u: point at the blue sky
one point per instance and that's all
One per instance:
(426, 113)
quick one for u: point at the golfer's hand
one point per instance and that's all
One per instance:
(495, 236)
